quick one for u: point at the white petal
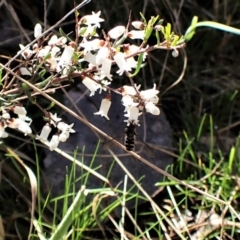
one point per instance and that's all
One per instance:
(45, 132)
(130, 90)
(102, 54)
(54, 142)
(65, 60)
(128, 101)
(139, 34)
(150, 93)
(37, 30)
(19, 110)
(106, 69)
(53, 40)
(54, 119)
(151, 108)
(93, 19)
(133, 114)
(25, 71)
(2, 129)
(138, 25)
(116, 32)
(62, 126)
(122, 63)
(91, 85)
(104, 108)
(64, 136)
(91, 45)
(89, 57)
(24, 127)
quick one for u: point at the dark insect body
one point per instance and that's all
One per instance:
(130, 136)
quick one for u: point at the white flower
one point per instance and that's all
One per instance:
(53, 63)
(105, 105)
(5, 114)
(25, 71)
(89, 57)
(66, 57)
(2, 129)
(132, 115)
(54, 40)
(105, 70)
(93, 19)
(62, 126)
(128, 101)
(138, 25)
(102, 54)
(151, 108)
(89, 31)
(116, 32)
(150, 93)
(130, 90)
(24, 127)
(64, 136)
(20, 111)
(122, 63)
(20, 125)
(45, 132)
(27, 52)
(54, 51)
(91, 85)
(37, 30)
(54, 142)
(54, 119)
(139, 34)
(91, 45)
(132, 49)
(44, 52)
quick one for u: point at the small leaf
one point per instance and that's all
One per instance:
(158, 37)
(191, 30)
(175, 40)
(42, 73)
(27, 92)
(144, 19)
(52, 104)
(64, 34)
(139, 64)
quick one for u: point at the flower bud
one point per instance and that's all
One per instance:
(116, 32)
(37, 30)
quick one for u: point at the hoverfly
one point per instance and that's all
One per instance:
(129, 140)
(130, 136)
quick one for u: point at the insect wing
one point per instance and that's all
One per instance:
(144, 148)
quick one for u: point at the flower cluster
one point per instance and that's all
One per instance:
(22, 122)
(50, 54)
(91, 58)
(101, 54)
(62, 135)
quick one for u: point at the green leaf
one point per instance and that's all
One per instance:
(175, 40)
(64, 34)
(191, 30)
(27, 92)
(139, 64)
(149, 28)
(143, 18)
(52, 104)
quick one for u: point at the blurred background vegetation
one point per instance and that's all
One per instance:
(211, 81)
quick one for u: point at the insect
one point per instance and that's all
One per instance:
(130, 139)
(130, 136)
